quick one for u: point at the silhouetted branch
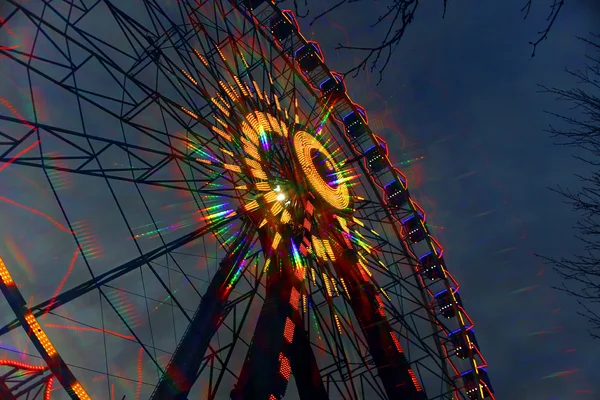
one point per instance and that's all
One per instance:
(399, 14)
(583, 133)
(557, 5)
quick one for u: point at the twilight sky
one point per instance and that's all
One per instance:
(459, 109)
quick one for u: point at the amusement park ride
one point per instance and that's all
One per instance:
(328, 272)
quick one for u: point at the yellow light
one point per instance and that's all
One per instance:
(263, 186)
(200, 57)
(358, 221)
(327, 284)
(257, 90)
(5, 275)
(343, 224)
(329, 250)
(221, 122)
(276, 240)
(221, 53)
(226, 151)
(285, 217)
(242, 88)
(318, 246)
(276, 209)
(250, 148)
(79, 391)
(344, 286)
(232, 95)
(36, 329)
(258, 173)
(385, 294)
(304, 303)
(270, 197)
(189, 77)
(337, 323)
(365, 268)
(277, 102)
(252, 163)
(231, 167)
(258, 122)
(253, 205)
(266, 267)
(249, 131)
(221, 133)
(188, 112)
(335, 286)
(383, 265)
(304, 145)
(220, 106)
(277, 126)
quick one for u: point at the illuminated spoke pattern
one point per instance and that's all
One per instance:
(208, 216)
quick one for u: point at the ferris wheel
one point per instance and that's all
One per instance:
(233, 228)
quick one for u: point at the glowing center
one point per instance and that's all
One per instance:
(280, 194)
(320, 170)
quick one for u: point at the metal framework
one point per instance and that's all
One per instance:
(25, 382)
(219, 127)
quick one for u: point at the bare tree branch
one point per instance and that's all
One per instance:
(581, 272)
(398, 15)
(555, 9)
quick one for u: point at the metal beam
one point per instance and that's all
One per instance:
(304, 365)
(117, 272)
(182, 370)
(261, 375)
(5, 392)
(392, 366)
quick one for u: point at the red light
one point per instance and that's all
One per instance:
(285, 370)
(294, 298)
(288, 331)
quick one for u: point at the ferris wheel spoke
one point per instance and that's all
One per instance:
(6, 392)
(181, 372)
(336, 352)
(400, 381)
(78, 162)
(115, 273)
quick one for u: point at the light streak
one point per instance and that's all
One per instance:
(139, 374)
(62, 282)
(409, 161)
(525, 289)
(18, 115)
(18, 255)
(166, 228)
(125, 308)
(87, 239)
(561, 373)
(89, 329)
(37, 212)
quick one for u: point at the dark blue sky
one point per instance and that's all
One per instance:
(461, 92)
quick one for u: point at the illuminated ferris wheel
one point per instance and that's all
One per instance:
(232, 226)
